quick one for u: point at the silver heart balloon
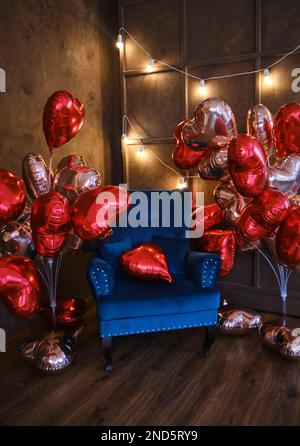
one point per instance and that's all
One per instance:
(15, 239)
(36, 175)
(71, 181)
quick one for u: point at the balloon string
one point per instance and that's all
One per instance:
(53, 290)
(50, 168)
(282, 277)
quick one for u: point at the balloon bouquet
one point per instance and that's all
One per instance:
(62, 214)
(257, 202)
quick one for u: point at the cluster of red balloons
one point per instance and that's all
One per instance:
(259, 174)
(67, 208)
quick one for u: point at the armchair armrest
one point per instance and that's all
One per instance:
(203, 268)
(101, 278)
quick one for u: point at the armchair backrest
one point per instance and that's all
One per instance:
(162, 205)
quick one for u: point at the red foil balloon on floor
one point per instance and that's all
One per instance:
(183, 156)
(12, 196)
(287, 130)
(221, 242)
(62, 119)
(95, 211)
(50, 223)
(288, 240)
(19, 286)
(68, 312)
(247, 165)
(146, 262)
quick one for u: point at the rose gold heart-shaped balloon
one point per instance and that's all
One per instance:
(146, 262)
(19, 286)
(238, 322)
(72, 180)
(62, 119)
(35, 174)
(269, 331)
(288, 342)
(213, 117)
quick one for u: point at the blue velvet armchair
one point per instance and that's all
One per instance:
(126, 305)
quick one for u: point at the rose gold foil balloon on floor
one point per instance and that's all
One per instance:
(288, 343)
(237, 322)
(36, 175)
(269, 331)
(52, 354)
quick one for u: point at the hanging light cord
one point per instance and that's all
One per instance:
(243, 73)
(126, 118)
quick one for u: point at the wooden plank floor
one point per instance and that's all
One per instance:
(158, 379)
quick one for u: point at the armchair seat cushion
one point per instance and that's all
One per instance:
(133, 298)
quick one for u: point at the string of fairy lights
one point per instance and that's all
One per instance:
(150, 67)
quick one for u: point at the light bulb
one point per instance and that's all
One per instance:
(125, 138)
(201, 87)
(140, 152)
(149, 66)
(120, 41)
(182, 183)
(267, 77)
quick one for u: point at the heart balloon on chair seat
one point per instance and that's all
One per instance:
(147, 262)
(19, 286)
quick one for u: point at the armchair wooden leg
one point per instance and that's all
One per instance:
(210, 336)
(106, 347)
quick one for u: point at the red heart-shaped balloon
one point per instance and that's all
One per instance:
(96, 210)
(68, 312)
(288, 239)
(183, 156)
(263, 215)
(19, 286)
(50, 223)
(62, 119)
(12, 196)
(287, 130)
(221, 242)
(247, 165)
(147, 262)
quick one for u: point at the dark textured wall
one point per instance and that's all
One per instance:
(48, 45)
(207, 38)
